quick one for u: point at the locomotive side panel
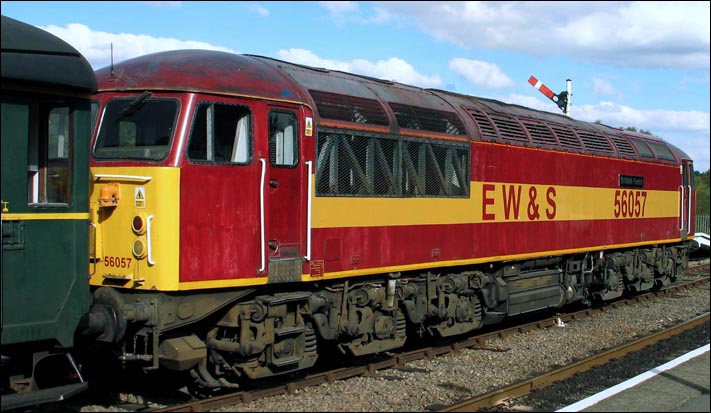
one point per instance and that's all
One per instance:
(514, 196)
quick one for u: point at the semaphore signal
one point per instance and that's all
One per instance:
(562, 99)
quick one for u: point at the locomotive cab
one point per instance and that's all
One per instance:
(177, 178)
(188, 208)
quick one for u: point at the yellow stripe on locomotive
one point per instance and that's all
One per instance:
(136, 216)
(495, 202)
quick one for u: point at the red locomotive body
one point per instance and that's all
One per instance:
(277, 208)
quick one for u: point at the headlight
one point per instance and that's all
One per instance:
(139, 248)
(138, 225)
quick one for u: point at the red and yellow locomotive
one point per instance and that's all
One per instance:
(248, 213)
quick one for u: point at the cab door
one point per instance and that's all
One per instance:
(283, 196)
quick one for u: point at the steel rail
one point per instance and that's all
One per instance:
(525, 387)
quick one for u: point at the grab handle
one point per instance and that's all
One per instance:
(262, 245)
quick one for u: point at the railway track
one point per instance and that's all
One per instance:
(400, 360)
(501, 398)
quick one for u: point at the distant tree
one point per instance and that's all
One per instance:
(629, 128)
(703, 192)
(633, 129)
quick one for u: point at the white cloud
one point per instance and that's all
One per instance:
(342, 11)
(636, 34)
(530, 101)
(309, 58)
(654, 120)
(481, 74)
(340, 7)
(96, 46)
(394, 68)
(258, 8)
(687, 130)
(603, 87)
(163, 4)
(339, 10)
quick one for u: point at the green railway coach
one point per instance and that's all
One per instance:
(46, 124)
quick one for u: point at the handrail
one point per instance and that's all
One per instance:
(123, 177)
(688, 215)
(261, 212)
(309, 165)
(681, 206)
(148, 240)
(92, 247)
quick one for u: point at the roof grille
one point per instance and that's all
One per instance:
(509, 129)
(566, 137)
(349, 108)
(540, 134)
(415, 117)
(624, 147)
(486, 128)
(594, 141)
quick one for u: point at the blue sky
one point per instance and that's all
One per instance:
(638, 64)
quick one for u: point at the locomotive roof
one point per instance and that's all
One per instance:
(30, 54)
(343, 99)
(200, 71)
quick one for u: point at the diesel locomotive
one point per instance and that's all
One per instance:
(249, 214)
(46, 126)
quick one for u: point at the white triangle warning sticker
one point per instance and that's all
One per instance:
(309, 128)
(140, 197)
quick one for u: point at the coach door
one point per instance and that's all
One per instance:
(685, 200)
(283, 195)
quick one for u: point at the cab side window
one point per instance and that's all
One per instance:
(283, 139)
(221, 134)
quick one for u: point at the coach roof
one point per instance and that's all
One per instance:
(30, 54)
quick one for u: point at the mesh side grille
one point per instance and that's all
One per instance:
(540, 134)
(486, 128)
(566, 137)
(349, 108)
(354, 165)
(624, 147)
(509, 129)
(368, 166)
(415, 117)
(594, 141)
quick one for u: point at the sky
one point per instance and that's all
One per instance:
(631, 64)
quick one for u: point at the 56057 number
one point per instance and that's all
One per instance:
(630, 204)
(117, 262)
